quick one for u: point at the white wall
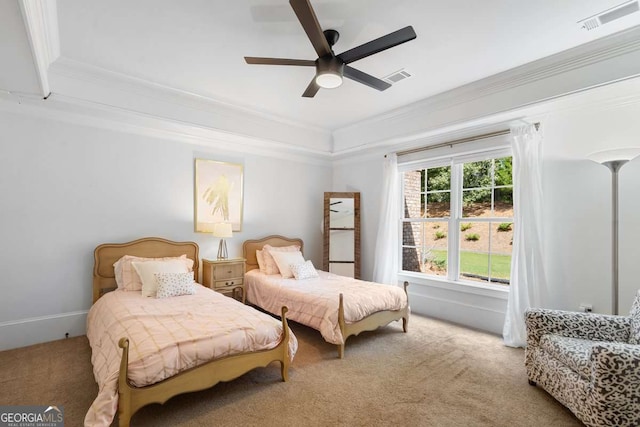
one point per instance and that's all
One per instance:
(66, 188)
(364, 175)
(577, 218)
(578, 206)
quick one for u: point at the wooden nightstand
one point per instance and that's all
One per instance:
(224, 275)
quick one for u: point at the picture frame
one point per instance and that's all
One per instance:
(218, 194)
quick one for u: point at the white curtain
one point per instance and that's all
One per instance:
(385, 269)
(528, 282)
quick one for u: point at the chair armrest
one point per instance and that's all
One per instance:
(590, 326)
(615, 368)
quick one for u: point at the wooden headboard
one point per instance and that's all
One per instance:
(107, 254)
(249, 248)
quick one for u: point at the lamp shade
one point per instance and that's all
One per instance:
(618, 154)
(222, 230)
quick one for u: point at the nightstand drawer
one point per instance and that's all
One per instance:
(228, 271)
(224, 276)
(221, 284)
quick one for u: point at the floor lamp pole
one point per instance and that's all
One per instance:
(614, 159)
(614, 166)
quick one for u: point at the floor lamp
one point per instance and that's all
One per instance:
(614, 160)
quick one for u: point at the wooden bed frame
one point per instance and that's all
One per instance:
(131, 398)
(370, 323)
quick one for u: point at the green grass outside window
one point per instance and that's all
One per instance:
(477, 263)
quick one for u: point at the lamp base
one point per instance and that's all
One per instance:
(222, 250)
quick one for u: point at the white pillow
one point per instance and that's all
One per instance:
(284, 260)
(175, 284)
(146, 270)
(128, 279)
(305, 270)
(270, 264)
(261, 263)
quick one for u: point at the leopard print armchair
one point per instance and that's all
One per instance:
(589, 362)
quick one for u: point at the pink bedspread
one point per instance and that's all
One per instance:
(167, 336)
(314, 302)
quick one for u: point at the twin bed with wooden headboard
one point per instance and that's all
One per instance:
(171, 345)
(337, 306)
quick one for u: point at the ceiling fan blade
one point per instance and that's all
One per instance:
(365, 79)
(312, 89)
(311, 26)
(279, 61)
(378, 45)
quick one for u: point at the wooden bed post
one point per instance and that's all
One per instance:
(342, 327)
(405, 319)
(124, 400)
(284, 365)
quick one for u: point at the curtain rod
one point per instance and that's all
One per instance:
(459, 141)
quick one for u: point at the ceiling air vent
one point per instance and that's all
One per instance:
(395, 77)
(609, 15)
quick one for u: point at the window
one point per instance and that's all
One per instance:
(458, 218)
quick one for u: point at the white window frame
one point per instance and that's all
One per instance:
(455, 220)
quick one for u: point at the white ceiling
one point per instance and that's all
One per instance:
(198, 46)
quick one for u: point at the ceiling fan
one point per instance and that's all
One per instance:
(330, 68)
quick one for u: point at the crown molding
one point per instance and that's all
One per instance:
(41, 23)
(618, 95)
(100, 86)
(89, 114)
(600, 62)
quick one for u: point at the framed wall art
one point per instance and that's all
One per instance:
(218, 194)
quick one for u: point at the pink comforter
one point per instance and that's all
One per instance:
(314, 302)
(167, 336)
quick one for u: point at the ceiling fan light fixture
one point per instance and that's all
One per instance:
(329, 72)
(329, 80)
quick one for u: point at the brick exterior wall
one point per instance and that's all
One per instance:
(412, 209)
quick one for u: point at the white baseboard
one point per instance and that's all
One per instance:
(476, 315)
(35, 330)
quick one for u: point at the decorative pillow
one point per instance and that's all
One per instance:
(285, 259)
(304, 270)
(269, 263)
(128, 279)
(147, 269)
(635, 320)
(174, 284)
(260, 259)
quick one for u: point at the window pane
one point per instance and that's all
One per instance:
(474, 252)
(476, 203)
(503, 171)
(413, 200)
(412, 233)
(503, 202)
(477, 174)
(485, 252)
(425, 247)
(501, 248)
(439, 178)
(438, 205)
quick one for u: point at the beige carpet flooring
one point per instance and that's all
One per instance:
(438, 374)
